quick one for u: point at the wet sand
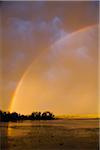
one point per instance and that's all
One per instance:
(61, 134)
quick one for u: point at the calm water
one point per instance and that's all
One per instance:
(50, 135)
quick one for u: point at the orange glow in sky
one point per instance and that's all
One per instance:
(49, 57)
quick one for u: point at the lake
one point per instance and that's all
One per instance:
(62, 134)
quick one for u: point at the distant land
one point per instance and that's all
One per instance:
(79, 116)
(46, 115)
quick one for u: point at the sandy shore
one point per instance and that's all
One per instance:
(52, 135)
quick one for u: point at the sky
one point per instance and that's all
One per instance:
(51, 49)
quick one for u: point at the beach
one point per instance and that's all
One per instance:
(61, 134)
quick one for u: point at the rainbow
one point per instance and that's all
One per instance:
(14, 97)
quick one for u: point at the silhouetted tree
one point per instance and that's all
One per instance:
(7, 116)
(47, 115)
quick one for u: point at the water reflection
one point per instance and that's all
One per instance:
(4, 136)
(53, 134)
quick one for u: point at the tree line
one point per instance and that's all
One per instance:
(7, 116)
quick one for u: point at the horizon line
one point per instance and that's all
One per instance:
(61, 115)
